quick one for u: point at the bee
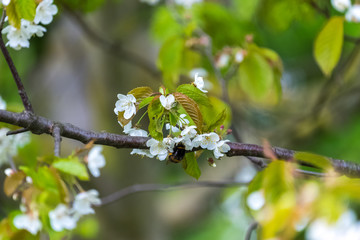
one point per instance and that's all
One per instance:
(178, 154)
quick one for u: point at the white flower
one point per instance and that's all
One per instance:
(135, 132)
(143, 152)
(341, 5)
(187, 3)
(95, 160)
(9, 145)
(223, 60)
(2, 104)
(8, 172)
(199, 83)
(29, 222)
(353, 14)
(159, 149)
(45, 11)
(221, 148)
(189, 132)
(126, 103)
(239, 56)
(174, 129)
(19, 38)
(256, 200)
(346, 228)
(150, 2)
(167, 102)
(29, 180)
(83, 202)
(206, 141)
(5, 2)
(61, 218)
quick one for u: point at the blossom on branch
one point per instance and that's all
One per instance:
(5, 2)
(29, 222)
(221, 148)
(158, 148)
(206, 141)
(341, 5)
(353, 14)
(95, 160)
(199, 83)
(126, 104)
(83, 202)
(61, 218)
(45, 11)
(19, 38)
(167, 102)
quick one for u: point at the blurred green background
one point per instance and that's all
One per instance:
(71, 78)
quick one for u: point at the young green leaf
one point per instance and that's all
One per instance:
(72, 166)
(256, 77)
(191, 166)
(155, 112)
(194, 93)
(328, 45)
(313, 159)
(13, 15)
(145, 102)
(191, 107)
(218, 121)
(26, 9)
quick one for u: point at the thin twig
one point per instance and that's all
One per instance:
(21, 90)
(14, 132)
(251, 228)
(114, 48)
(40, 125)
(165, 187)
(57, 140)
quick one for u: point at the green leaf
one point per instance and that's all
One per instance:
(163, 25)
(191, 107)
(26, 9)
(216, 109)
(145, 102)
(256, 77)
(194, 93)
(72, 166)
(155, 112)
(191, 166)
(328, 45)
(140, 93)
(218, 121)
(313, 159)
(13, 15)
(169, 60)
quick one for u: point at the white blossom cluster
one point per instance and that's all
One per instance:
(188, 135)
(62, 217)
(9, 145)
(95, 160)
(19, 38)
(352, 11)
(346, 228)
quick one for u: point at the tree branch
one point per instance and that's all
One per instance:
(251, 228)
(21, 90)
(40, 125)
(165, 187)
